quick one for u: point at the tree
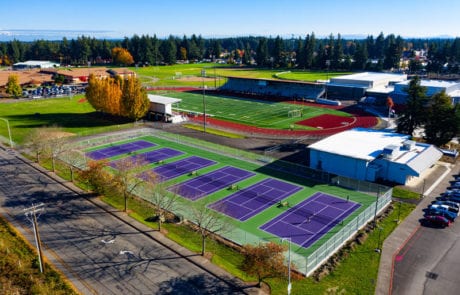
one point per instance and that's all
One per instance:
(207, 222)
(125, 176)
(264, 261)
(121, 56)
(12, 86)
(56, 144)
(37, 141)
(74, 159)
(163, 200)
(134, 101)
(262, 58)
(96, 176)
(414, 114)
(104, 95)
(442, 122)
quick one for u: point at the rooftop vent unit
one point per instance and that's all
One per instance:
(408, 145)
(390, 151)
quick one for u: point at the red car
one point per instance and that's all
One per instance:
(437, 220)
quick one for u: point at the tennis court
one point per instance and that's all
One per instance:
(181, 167)
(249, 201)
(211, 182)
(119, 149)
(309, 220)
(152, 156)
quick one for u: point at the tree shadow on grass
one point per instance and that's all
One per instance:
(68, 120)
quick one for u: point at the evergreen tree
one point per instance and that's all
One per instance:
(360, 56)
(262, 57)
(310, 45)
(414, 115)
(169, 50)
(337, 53)
(300, 54)
(442, 122)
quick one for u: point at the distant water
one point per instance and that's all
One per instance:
(31, 35)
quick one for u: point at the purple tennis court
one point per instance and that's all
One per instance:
(211, 182)
(309, 220)
(181, 167)
(152, 156)
(249, 201)
(121, 149)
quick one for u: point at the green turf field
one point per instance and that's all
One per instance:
(257, 113)
(179, 75)
(248, 231)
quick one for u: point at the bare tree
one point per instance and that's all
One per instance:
(125, 176)
(208, 221)
(73, 158)
(37, 142)
(165, 201)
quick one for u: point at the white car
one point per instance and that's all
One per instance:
(442, 208)
(454, 207)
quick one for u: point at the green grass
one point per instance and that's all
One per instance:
(401, 193)
(19, 270)
(213, 131)
(259, 113)
(73, 115)
(176, 75)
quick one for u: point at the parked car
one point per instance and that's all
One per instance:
(443, 208)
(451, 204)
(445, 213)
(452, 198)
(437, 220)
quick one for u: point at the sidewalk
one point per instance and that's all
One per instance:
(407, 228)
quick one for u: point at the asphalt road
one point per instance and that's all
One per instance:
(429, 262)
(96, 249)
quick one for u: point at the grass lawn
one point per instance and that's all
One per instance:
(190, 74)
(74, 115)
(257, 113)
(19, 269)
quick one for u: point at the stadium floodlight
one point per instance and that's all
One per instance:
(289, 287)
(203, 75)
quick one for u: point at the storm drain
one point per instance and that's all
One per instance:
(431, 275)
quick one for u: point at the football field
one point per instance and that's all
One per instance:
(259, 113)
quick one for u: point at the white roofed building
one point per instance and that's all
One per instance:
(373, 155)
(161, 108)
(452, 89)
(35, 64)
(356, 86)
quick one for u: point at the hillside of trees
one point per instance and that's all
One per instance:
(335, 53)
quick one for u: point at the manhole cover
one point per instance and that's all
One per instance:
(431, 275)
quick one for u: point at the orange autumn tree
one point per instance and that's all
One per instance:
(134, 101)
(104, 95)
(264, 261)
(121, 56)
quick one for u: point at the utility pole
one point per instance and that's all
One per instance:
(203, 75)
(31, 214)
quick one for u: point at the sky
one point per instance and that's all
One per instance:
(115, 18)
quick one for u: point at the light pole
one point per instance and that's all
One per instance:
(289, 265)
(9, 131)
(203, 75)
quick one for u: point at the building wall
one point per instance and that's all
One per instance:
(337, 164)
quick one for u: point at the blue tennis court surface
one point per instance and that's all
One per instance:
(121, 149)
(249, 201)
(152, 156)
(181, 167)
(209, 183)
(309, 220)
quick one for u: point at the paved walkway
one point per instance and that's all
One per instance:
(432, 187)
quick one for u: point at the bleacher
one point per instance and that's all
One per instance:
(273, 88)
